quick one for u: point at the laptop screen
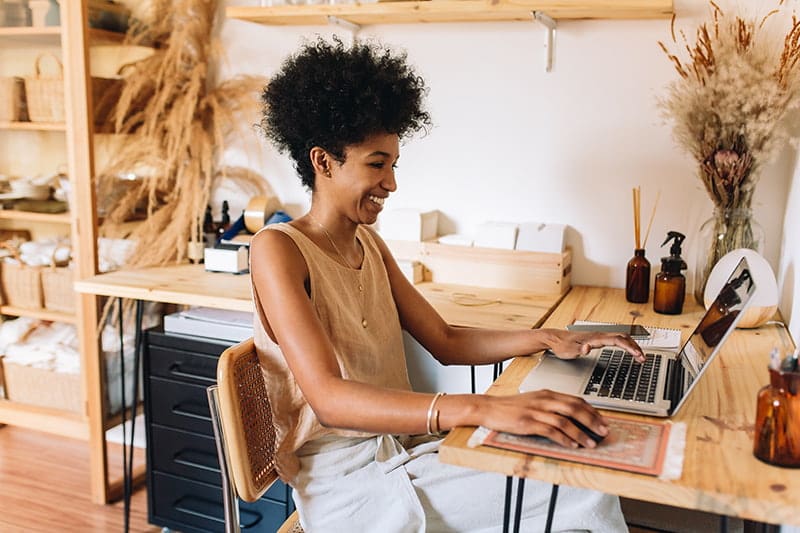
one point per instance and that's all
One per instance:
(718, 322)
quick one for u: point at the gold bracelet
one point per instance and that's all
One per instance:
(430, 414)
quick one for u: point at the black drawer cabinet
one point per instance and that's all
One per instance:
(184, 488)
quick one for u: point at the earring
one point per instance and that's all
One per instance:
(328, 172)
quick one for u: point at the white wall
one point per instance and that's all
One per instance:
(513, 142)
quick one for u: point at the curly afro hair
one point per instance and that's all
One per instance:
(333, 96)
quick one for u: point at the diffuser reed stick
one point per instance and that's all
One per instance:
(650, 222)
(636, 216)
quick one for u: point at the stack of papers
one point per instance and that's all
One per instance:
(211, 323)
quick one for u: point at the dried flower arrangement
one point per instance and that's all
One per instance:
(738, 81)
(177, 123)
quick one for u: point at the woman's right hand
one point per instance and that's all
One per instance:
(547, 414)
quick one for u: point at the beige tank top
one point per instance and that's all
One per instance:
(372, 354)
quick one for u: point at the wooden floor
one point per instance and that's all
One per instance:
(44, 487)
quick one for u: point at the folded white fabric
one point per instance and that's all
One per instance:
(50, 346)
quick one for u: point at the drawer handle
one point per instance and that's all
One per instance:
(175, 370)
(183, 457)
(179, 410)
(194, 506)
(247, 518)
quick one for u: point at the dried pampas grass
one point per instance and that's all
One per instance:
(178, 124)
(738, 81)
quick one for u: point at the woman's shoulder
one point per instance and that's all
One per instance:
(280, 238)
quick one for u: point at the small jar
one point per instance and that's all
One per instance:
(777, 434)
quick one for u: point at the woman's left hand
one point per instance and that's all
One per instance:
(573, 344)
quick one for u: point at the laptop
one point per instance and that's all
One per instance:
(609, 378)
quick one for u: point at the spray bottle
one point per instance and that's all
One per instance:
(670, 287)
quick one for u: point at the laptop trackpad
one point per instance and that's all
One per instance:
(568, 376)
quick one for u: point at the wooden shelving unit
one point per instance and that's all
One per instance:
(71, 41)
(450, 11)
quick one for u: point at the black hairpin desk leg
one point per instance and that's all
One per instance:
(518, 510)
(127, 445)
(507, 505)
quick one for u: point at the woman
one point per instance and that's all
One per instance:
(331, 304)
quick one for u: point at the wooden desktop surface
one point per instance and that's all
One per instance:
(720, 473)
(187, 284)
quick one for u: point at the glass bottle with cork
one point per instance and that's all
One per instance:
(670, 286)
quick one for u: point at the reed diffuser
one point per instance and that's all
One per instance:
(637, 279)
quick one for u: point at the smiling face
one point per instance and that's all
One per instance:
(360, 184)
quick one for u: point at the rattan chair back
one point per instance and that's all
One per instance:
(246, 420)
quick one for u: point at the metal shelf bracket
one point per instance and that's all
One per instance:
(352, 27)
(550, 37)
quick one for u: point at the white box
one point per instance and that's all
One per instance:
(496, 235)
(540, 237)
(227, 258)
(456, 239)
(409, 224)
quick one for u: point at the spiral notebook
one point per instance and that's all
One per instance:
(660, 338)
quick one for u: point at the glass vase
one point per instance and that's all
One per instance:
(727, 230)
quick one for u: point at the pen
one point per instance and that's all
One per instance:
(774, 359)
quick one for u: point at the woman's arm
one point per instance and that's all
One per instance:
(280, 273)
(476, 346)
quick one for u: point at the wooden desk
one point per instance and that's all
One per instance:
(191, 285)
(720, 474)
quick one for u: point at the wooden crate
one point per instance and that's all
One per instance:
(42, 387)
(544, 273)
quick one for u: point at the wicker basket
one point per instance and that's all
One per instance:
(22, 285)
(12, 99)
(42, 387)
(57, 289)
(45, 94)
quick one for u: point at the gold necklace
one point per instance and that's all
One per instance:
(346, 262)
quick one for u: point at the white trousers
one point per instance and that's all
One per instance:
(380, 484)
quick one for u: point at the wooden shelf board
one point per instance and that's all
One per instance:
(451, 11)
(51, 35)
(30, 36)
(33, 126)
(30, 216)
(42, 314)
(55, 421)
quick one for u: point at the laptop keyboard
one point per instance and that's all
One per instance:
(617, 375)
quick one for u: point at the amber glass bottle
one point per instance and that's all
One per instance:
(637, 280)
(777, 438)
(670, 285)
